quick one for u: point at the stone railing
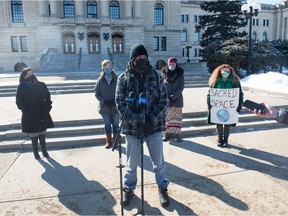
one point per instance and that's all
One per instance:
(43, 58)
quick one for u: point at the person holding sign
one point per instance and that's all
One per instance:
(224, 100)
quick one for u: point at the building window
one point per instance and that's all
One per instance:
(182, 18)
(91, 9)
(14, 44)
(114, 10)
(264, 37)
(156, 43)
(264, 22)
(68, 9)
(163, 43)
(158, 14)
(187, 18)
(184, 35)
(17, 11)
(23, 41)
(196, 36)
(254, 36)
(267, 22)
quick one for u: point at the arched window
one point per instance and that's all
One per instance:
(68, 6)
(17, 11)
(264, 37)
(93, 43)
(158, 14)
(254, 36)
(184, 35)
(114, 10)
(92, 9)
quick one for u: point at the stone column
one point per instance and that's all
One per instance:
(79, 8)
(105, 9)
(54, 8)
(42, 8)
(128, 12)
(138, 12)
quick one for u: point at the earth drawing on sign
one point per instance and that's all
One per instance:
(223, 115)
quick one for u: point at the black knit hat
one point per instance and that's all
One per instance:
(137, 50)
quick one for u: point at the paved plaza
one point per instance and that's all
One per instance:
(248, 178)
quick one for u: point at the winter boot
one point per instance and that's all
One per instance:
(108, 143)
(225, 141)
(166, 137)
(35, 147)
(128, 194)
(220, 141)
(43, 145)
(163, 196)
(178, 138)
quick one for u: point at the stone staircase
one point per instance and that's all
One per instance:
(83, 133)
(86, 84)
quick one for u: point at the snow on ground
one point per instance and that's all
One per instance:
(271, 81)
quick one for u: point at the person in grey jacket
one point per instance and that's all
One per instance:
(174, 82)
(105, 89)
(280, 115)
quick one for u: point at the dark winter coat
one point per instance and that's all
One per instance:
(220, 83)
(174, 82)
(156, 94)
(105, 94)
(35, 103)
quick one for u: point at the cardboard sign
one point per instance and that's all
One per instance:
(224, 103)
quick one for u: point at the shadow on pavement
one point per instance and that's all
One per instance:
(80, 195)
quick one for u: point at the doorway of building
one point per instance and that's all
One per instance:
(69, 43)
(93, 43)
(117, 43)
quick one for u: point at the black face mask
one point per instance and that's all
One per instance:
(141, 65)
(31, 78)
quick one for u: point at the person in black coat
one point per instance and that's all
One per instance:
(174, 82)
(33, 99)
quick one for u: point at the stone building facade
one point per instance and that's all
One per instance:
(32, 30)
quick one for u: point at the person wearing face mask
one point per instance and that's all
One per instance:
(105, 89)
(33, 99)
(140, 78)
(174, 82)
(224, 77)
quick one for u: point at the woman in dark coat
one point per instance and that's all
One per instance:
(33, 99)
(105, 89)
(174, 81)
(224, 77)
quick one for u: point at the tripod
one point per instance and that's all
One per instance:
(117, 143)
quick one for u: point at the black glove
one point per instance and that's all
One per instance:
(239, 108)
(148, 127)
(209, 106)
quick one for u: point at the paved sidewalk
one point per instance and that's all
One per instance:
(249, 178)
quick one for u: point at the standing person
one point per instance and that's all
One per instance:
(105, 89)
(141, 78)
(174, 82)
(224, 77)
(33, 99)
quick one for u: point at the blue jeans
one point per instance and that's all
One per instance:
(111, 120)
(133, 151)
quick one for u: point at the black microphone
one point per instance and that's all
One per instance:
(131, 98)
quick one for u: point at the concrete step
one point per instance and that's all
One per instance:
(85, 140)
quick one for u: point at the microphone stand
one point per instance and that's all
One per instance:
(142, 158)
(118, 144)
